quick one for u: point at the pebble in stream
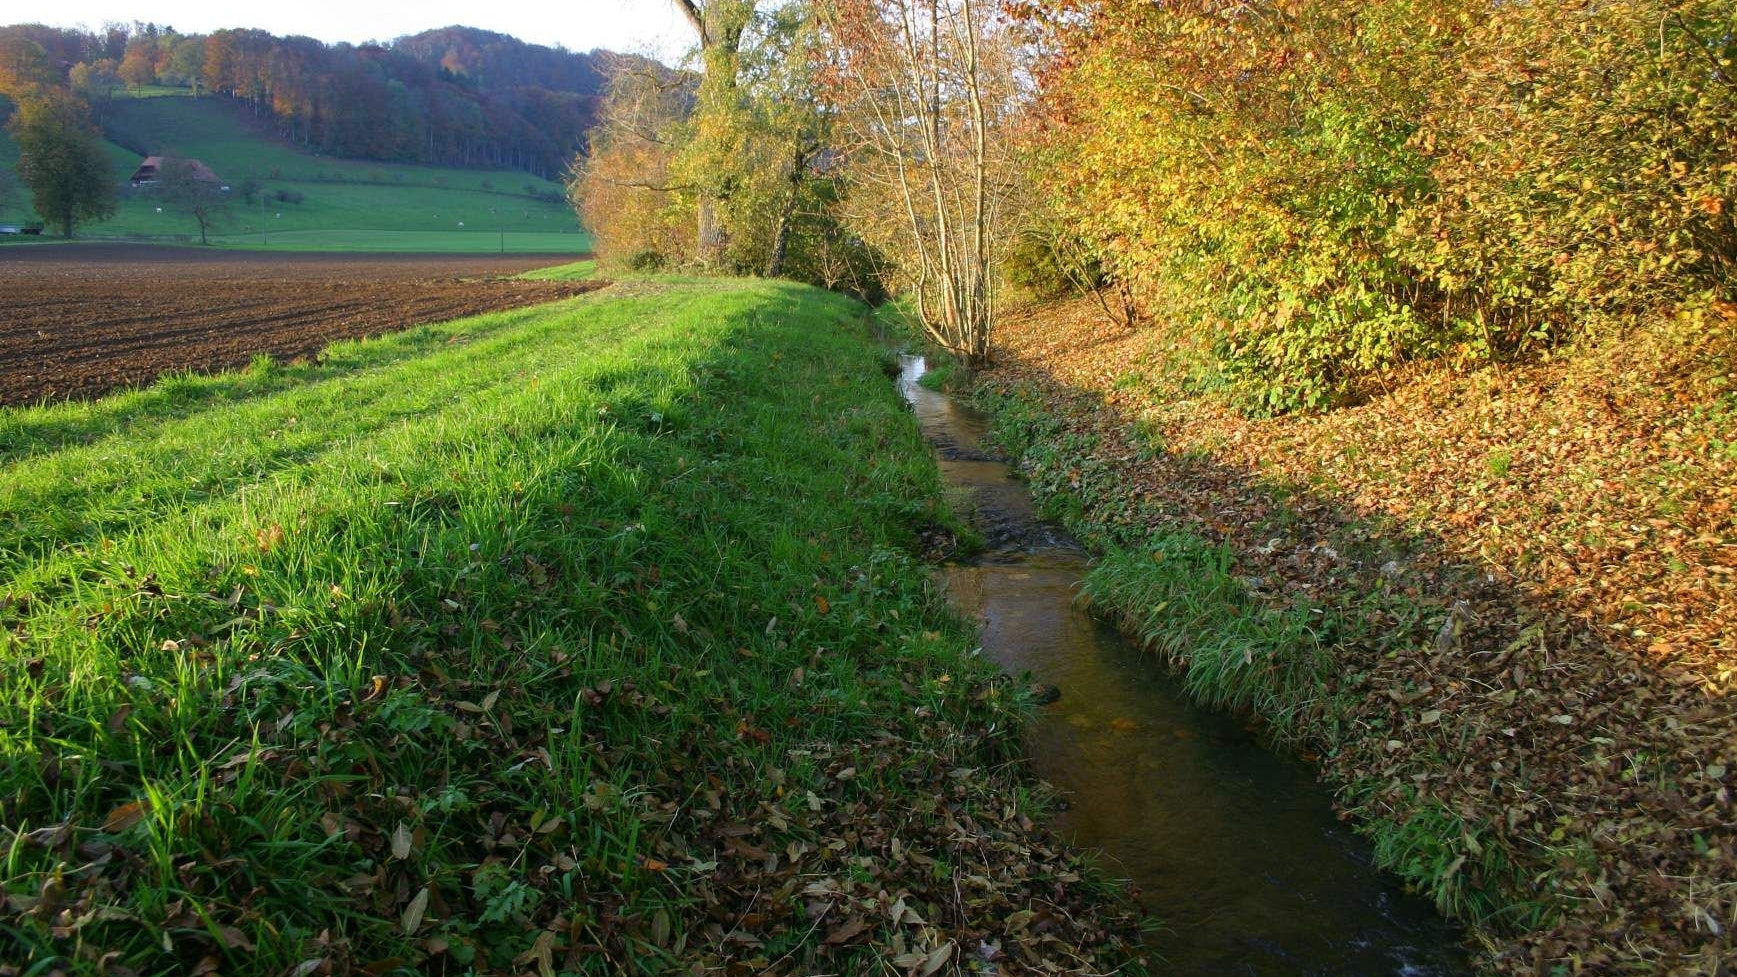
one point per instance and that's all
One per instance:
(1234, 850)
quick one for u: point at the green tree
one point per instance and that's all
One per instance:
(187, 62)
(61, 160)
(97, 81)
(758, 143)
(194, 191)
(720, 25)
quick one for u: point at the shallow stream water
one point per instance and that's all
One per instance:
(1234, 849)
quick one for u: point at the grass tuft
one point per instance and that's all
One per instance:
(1178, 597)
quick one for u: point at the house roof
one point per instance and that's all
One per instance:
(151, 164)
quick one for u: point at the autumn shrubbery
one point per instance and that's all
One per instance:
(742, 160)
(1322, 191)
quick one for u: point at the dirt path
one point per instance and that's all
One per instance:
(78, 321)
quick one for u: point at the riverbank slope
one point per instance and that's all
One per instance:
(1496, 606)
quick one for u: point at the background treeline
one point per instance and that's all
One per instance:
(729, 165)
(1312, 193)
(455, 96)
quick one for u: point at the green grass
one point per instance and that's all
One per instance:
(451, 242)
(214, 130)
(1177, 595)
(346, 205)
(154, 91)
(555, 634)
(579, 271)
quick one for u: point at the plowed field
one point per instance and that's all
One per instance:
(77, 321)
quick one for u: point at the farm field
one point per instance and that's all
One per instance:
(418, 242)
(80, 320)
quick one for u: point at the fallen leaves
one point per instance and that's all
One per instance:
(846, 931)
(125, 816)
(401, 842)
(1544, 556)
(411, 919)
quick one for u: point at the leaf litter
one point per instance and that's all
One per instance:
(1542, 557)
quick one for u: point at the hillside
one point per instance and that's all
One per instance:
(343, 204)
(457, 96)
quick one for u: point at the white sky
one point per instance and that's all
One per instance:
(637, 26)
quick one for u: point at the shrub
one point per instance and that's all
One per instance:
(647, 261)
(1050, 263)
(1331, 189)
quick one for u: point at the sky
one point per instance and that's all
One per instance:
(649, 27)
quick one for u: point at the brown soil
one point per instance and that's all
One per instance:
(78, 321)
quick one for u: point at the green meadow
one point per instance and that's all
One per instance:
(330, 204)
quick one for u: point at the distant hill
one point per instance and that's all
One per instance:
(456, 96)
(498, 62)
(284, 196)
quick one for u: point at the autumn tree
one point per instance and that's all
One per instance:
(97, 81)
(139, 67)
(749, 150)
(622, 185)
(928, 96)
(760, 159)
(191, 189)
(24, 65)
(1314, 194)
(61, 160)
(719, 26)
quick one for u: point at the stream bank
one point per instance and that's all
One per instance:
(1234, 849)
(1494, 673)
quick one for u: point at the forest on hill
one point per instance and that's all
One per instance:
(455, 96)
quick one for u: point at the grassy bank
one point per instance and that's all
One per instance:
(1450, 599)
(1243, 647)
(582, 639)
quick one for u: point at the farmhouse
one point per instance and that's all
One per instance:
(146, 174)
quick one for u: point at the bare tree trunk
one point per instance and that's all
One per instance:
(781, 239)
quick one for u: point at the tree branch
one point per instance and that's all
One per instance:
(695, 15)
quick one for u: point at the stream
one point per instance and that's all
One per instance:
(1234, 849)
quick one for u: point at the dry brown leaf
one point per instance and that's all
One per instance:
(937, 959)
(125, 816)
(846, 931)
